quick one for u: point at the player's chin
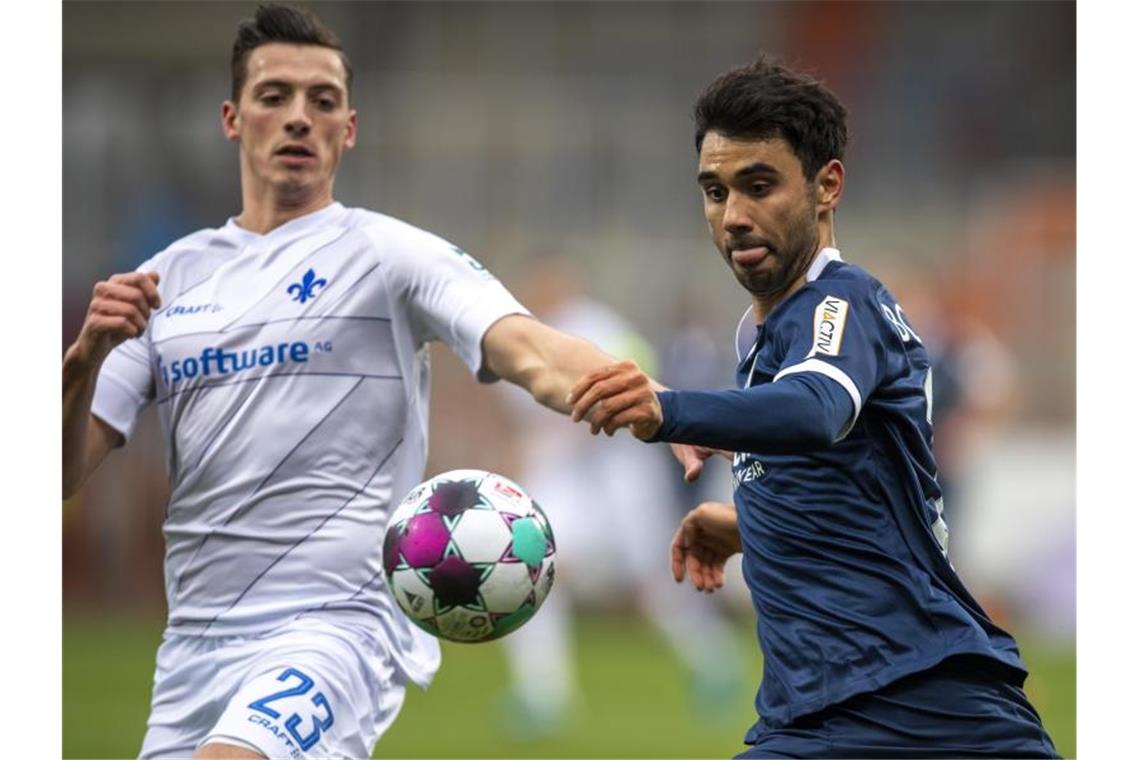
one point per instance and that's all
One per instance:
(298, 182)
(754, 280)
(299, 173)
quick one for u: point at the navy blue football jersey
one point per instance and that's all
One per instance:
(845, 548)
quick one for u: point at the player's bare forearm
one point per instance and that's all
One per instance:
(86, 439)
(568, 359)
(538, 358)
(119, 310)
(552, 366)
(78, 390)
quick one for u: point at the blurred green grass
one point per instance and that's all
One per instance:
(637, 700)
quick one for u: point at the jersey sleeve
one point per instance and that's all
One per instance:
(835, 332)
(449, 296)
(124, 387)
(802, 414)
(126, 382)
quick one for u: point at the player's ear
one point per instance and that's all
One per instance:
(829, 185)
(230, 121)
(350, 132)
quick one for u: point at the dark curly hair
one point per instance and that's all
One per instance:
(280, 23)
(764, 99)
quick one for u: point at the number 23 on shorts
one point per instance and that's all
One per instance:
(322, 715)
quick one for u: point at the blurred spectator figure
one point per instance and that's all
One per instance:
(975, 379)
(612, 506)
(696, 356)
(977, 392)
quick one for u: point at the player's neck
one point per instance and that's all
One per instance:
(265, 214)
(763, 305)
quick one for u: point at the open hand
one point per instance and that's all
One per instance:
(707, 537)
(692, 458)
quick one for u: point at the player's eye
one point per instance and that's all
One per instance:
(715, 193)
(759, 188)
(271, 98)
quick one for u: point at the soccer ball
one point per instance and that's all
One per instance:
(468, 556)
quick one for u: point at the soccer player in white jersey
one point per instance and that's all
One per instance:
(286, 352)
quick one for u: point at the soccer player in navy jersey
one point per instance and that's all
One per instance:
(872, 646)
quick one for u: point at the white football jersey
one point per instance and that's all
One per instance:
(290, 374)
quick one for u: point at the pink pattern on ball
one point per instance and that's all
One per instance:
(425, 538)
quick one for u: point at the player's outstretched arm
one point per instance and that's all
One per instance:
(542, 360)
(120, 308)
(548, 363)
(707, 537)
(803, 412)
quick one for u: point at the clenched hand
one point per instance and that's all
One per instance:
(616, 396)
(120, 308)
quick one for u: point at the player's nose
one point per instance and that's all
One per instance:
(736, 218)
(298, 121)
(297, 128)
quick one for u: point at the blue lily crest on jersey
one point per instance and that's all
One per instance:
(307, 287)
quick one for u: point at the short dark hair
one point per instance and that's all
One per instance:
(764, 99)
(280, 23)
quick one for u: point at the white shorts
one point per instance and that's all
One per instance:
(305, 690)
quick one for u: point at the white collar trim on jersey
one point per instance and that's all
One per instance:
(822, 259)
(740, 329)
(314, 218)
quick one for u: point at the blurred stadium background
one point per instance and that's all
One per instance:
(526, 131)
